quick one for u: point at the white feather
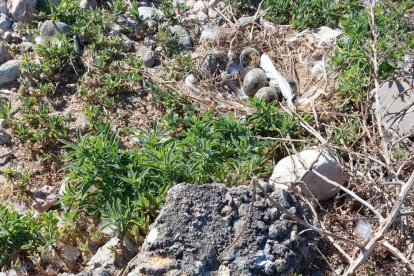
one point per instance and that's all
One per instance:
(277, 79)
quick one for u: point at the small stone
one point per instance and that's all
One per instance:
(202, 16)
(184, 37)
(50, 28)
(291, 169)
(209, 65)
(253, 81)
(3, 123)
(3, 7)
(27, 46)
(5, 23)
(4, 138)
(267, 94)
(88, 4)
(200, 6)
(148, 56)
(105, 256)
(44, 199)
(126, 43)
(4, 54)
(7, 36)
(147, 13)
(70, 254)
(10, 71)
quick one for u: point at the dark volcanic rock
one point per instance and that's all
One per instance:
(198, 223)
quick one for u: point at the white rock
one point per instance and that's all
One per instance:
(88, 4)
(396, 96)
(208, 35)
(10, 71)
(27, 46)
(105, 256)
(146, 13)
(200, 6)
(291, 169)
(3, 123)
(5, 23)
(202, 16)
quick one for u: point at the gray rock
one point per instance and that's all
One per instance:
(4, 138)
(5, 23)
(27, 46)
(253, 81)
(110, 258)
(10, 71)
(22, 10)
(50, 28)
(267, 94)
(184, 37)
(147, 55)
(88, 4)
(397, 106)
(291, 169)
(3, 7)
(4, 54)
(197, 223)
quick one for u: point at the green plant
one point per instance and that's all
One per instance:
(351, 58)
(278, 11)
(23, 235)
(6, 112)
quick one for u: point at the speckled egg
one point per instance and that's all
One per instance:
(253, 81)
(268, 94)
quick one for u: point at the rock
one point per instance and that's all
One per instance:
(126, 43)
(147, 13)
(253, 81)
(200, 6)
(268, 94)
(290, 169)
(396, 97)
(198, 222)
(88, 4)
(27, 46)
(3, 7)
(9, 71)
(21, 10)
(202, 17)
(70, 254)
(5, 23)
(147, 55)
(104, 257)
(44, 199)
(3, 124)
(49, 28)
(4, 54)
(184, 37)
(4, 138)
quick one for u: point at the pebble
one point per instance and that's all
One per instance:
(253, 81)
(10, 71)
(88, 4)
(5, 23)
(4, 138)
(22, 10)
(148, 56)
(184, 37)
(70, 254)
(49, 28)
(3, 6)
